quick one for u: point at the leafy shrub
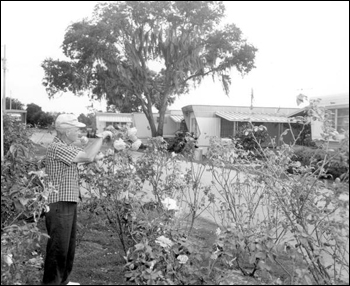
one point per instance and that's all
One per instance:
(24, 191)
(15, 132)
(336, 165)
(182, 142)
(304, 138)
(118, 182)
(251, 137)
(268, 217)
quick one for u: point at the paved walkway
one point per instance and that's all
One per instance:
(43, 137)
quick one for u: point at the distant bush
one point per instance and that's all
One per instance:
(337, 164)
(305, 138)
(181, 142)
(250, 138)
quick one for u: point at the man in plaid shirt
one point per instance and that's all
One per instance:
(61, 166)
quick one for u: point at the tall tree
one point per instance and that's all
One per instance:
(44, 119)
(33, 113)
(85, 119)
(13, 103)
(112, 54)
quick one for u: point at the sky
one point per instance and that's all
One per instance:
(303, 47)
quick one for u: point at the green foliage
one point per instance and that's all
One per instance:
(33, 113)
(113, 54)
(88, 120)
(45, 119)
(336, 164)
(117, 181)
(24, 191)
(267, 217)
(112, 180)
(37, 117)
(15, 132)
(182, 143)
(305, 138)
(13, 103)
(251, 137)
(162, 261)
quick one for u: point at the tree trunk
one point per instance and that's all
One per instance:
(162, 110)
(147, 110)
(152, 125)
(161, 122)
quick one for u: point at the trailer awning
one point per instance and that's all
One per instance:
(115, 118)
(177, 118)
(246, 117)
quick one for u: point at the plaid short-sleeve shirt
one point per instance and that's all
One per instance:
(62, 171)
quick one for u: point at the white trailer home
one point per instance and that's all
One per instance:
(339, 105)
(104, 119)
(206, 121)
(172, 122)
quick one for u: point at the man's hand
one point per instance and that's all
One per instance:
(91, 150)
(84, 140)
(105, 135)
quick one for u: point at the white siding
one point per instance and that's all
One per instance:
(142, 125)
(208, 127)
(316, 130)
(329, 102)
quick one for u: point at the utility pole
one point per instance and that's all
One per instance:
(3, 106)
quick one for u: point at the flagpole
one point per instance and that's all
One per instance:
(4, 81)
(251, 100)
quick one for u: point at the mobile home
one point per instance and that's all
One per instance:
(172, 122)
(207, 121)
(338, 104)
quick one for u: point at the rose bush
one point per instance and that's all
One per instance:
(24, 193)
(268, 218)
(268, 214)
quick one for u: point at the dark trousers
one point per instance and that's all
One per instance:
(61, 225)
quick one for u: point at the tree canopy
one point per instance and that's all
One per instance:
(142, 54)
(37, 117)
(89, 120)
(13, 103)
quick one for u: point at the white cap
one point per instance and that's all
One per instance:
(64, 121)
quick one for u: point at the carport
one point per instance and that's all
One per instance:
(104, 119)
(230, 122)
